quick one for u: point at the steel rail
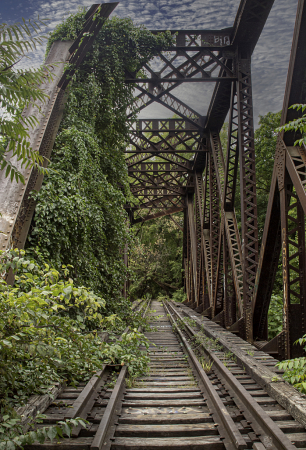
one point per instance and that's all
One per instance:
(85, 401)
(228, 423)
(103, 428)
(78, 409)
(115, 398)
(279, 439)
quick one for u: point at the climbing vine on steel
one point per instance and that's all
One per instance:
(80, 217)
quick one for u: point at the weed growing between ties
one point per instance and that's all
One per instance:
(199, 341)
(206, 364)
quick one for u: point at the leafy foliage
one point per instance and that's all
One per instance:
(19, 88)
(295, 369)
(265, 144)
(80, 214)
(156, 260)
(12, 435)
(297, 125)
(50, 331)
(275, 315)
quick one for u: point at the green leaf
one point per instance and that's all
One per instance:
(52, 433)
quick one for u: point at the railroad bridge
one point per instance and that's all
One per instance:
(178, 164)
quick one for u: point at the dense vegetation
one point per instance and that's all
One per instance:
(156, 258)
(51, 331)
(79, 217)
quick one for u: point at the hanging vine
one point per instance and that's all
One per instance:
(80, 217)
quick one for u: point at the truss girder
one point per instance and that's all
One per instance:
(179, 165)
(284, 231)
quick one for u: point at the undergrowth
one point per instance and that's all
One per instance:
(295, 369)
(50, 331)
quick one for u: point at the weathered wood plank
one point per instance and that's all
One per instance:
(64, 444)
(163, 396)
(166, 418)
(173, 430)
(189, 402)
(38, 403)
(192, 443)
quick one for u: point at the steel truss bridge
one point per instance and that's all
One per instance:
(178, 164)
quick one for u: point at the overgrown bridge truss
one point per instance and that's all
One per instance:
(177, 164)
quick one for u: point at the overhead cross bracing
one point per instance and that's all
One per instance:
(162, 152)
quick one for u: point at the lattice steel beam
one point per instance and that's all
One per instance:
(198, 66)
(172, 103)
(160, 166)
(249, 22)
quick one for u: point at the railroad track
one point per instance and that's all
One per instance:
(176, 405)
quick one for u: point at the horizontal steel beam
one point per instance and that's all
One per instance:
(182, 80)
(198, 38)
(159, 169)
(176, 189)
(168, 125)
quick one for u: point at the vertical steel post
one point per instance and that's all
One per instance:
(184, 261)
(249, 225)
(193, 245)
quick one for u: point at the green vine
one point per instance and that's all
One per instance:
(80, 217)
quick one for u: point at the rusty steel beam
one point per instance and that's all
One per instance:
(199, 38)
(167, 212)
(193, 242)
(284, 227)
(17, 206)
(232, 246)
(249, 224)
(249, 22)
(139, 158)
